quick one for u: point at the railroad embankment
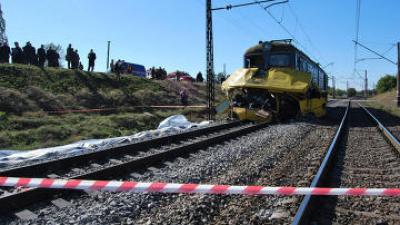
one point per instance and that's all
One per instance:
(28, 95)
(385, 101)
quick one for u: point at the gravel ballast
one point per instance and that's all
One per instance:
(281, 154)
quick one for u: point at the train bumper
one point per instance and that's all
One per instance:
(252, 115)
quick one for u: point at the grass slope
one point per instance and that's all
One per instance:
(27, 92)
(385, 101)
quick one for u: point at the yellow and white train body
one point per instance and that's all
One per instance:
(278, 80)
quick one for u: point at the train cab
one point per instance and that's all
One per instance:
(277, 80)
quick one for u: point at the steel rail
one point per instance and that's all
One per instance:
(62, 163)
(18, 201)
(390, 137)
(307, 205)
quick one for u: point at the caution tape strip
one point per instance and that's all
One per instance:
(143, 187)
(65, 111)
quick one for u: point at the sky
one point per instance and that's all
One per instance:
(171, 33)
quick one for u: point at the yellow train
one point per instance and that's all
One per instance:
(277, 81)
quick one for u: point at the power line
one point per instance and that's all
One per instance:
(376, 53)
(357, 33)
(389, 49)
(261, 29)
(304, 31)
(229, 7)
(283, 26)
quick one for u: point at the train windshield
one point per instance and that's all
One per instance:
(279, 60)
(254, 61)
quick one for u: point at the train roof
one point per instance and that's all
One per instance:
(285, 44)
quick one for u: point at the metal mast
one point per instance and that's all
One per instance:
(398, 74)
(3, 36)
(210, 61)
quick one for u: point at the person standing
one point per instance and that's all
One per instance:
(112, 66)
(41, 53)
(56, 59)
(118, 68)
(30, 54)
(75, 59)
(184, 97)
(68, 57)
(17, 55)
(51, 57)
(5, 53)
(92, 59)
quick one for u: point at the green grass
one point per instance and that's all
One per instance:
(32, 130)
(385, 101)
(28, 92)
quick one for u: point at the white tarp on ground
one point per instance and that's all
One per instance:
(171, 125)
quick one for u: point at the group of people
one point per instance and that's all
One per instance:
(74, 62)
(116, 67)
(29, 55)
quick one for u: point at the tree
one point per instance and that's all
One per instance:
(351, 92)
(3, 36)
(386, 83)
(199, 77)
(220, 77)
(340, 92)
(158, 73)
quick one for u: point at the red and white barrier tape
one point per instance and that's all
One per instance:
(138, 187)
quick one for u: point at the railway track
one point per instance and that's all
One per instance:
(365, 154)
(391, 122)
(288, 163)
(263, 167)
(111, 163)
(356, 153)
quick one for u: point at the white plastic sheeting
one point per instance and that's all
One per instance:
(171, 125)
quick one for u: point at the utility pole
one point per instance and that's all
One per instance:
(347, 88)
(108, 54)
(210, 61)
(398, 74)
(333, 87)
(366, 84)
(224, 70)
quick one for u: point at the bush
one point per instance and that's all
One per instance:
(3, 116)
(115, 97)
(53, 133)
(148, 97)
(88, 99)
(45, 101)
(125, 121)
(351, 92)
(386, 83)
(12, 101)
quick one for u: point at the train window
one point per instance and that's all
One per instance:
(254, 61)
(279, 60)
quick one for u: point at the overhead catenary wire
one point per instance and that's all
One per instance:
(303, 30)
(357, 33)
(280, 23)
(276, 20)
(254, 24)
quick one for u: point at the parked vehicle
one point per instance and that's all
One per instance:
(181, 76)
(132, 68)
